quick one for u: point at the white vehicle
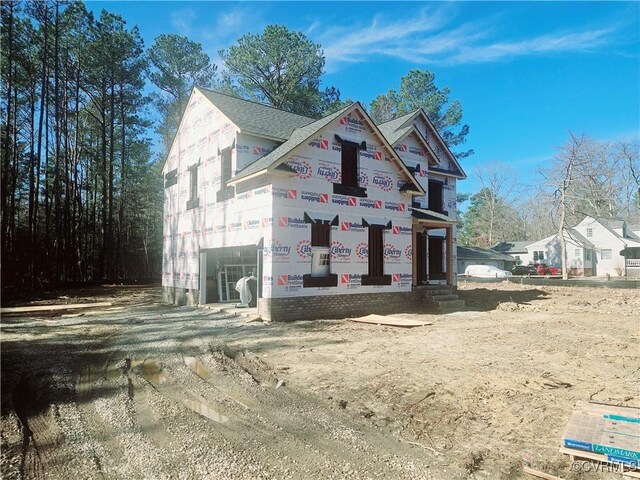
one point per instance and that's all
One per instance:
(486, 271)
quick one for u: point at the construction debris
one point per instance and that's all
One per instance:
(390, 321)
(51, 308)
(604, 433)
(539, 474)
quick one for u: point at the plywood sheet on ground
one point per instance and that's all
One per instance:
(605, 429)
(390, 321)
(49, 308)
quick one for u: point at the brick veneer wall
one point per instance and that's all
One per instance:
(337, 306)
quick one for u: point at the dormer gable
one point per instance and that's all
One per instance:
(445, 161)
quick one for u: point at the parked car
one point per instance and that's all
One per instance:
(524, 270)
(547, 271)
(486, 271)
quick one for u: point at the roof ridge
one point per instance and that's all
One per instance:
(254, 102)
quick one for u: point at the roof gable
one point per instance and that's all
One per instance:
(306, 133)
(255, 118)
(396, 135)
(412, 118)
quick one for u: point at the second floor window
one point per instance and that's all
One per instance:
(350, 169)
(435, 196)
(193, 201)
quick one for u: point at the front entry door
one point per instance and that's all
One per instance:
(436, 259)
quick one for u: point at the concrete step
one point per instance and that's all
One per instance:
(449, 304)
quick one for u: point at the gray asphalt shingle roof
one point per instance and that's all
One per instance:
(256, 118)
(393, 135)
(396, 123)
(482, 254)
(511, 247)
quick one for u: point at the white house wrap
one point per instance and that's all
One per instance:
(252, 190)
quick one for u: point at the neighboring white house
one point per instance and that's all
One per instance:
(517, 250)
(580, 252)
(611, 238)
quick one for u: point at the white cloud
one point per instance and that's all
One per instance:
(428, 37)
(182, 21)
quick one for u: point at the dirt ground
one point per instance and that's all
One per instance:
(145, 390)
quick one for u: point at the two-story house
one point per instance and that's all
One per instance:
(333, 217)
(616, 246)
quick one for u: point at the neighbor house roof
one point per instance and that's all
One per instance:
(482, 254)
(256, 118)
(574, 234)
(511, 247)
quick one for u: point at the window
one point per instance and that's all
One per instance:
(538, 255)
(321, 275)
(376, 274)
(193, 201)
(435, 196)
(589, 232)
(349, 167)
(171, 178)
(577, 252)
(606, 254)
(226, 166)
(225, 193)
(587, 255)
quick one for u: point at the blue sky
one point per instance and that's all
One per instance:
(525, 73)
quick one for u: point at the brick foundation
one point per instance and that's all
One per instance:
(338, 306)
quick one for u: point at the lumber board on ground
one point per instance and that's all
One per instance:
(539, 474)
(390, 321)
(51, 308)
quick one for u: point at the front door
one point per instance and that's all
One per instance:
(436, 259)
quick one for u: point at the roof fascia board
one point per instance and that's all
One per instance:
(233, 182)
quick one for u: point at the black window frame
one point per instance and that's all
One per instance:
(350, 168)
(435, 196)
(320, 237)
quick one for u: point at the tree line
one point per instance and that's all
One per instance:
(585, 177)
(82, 103)
(89, 114)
